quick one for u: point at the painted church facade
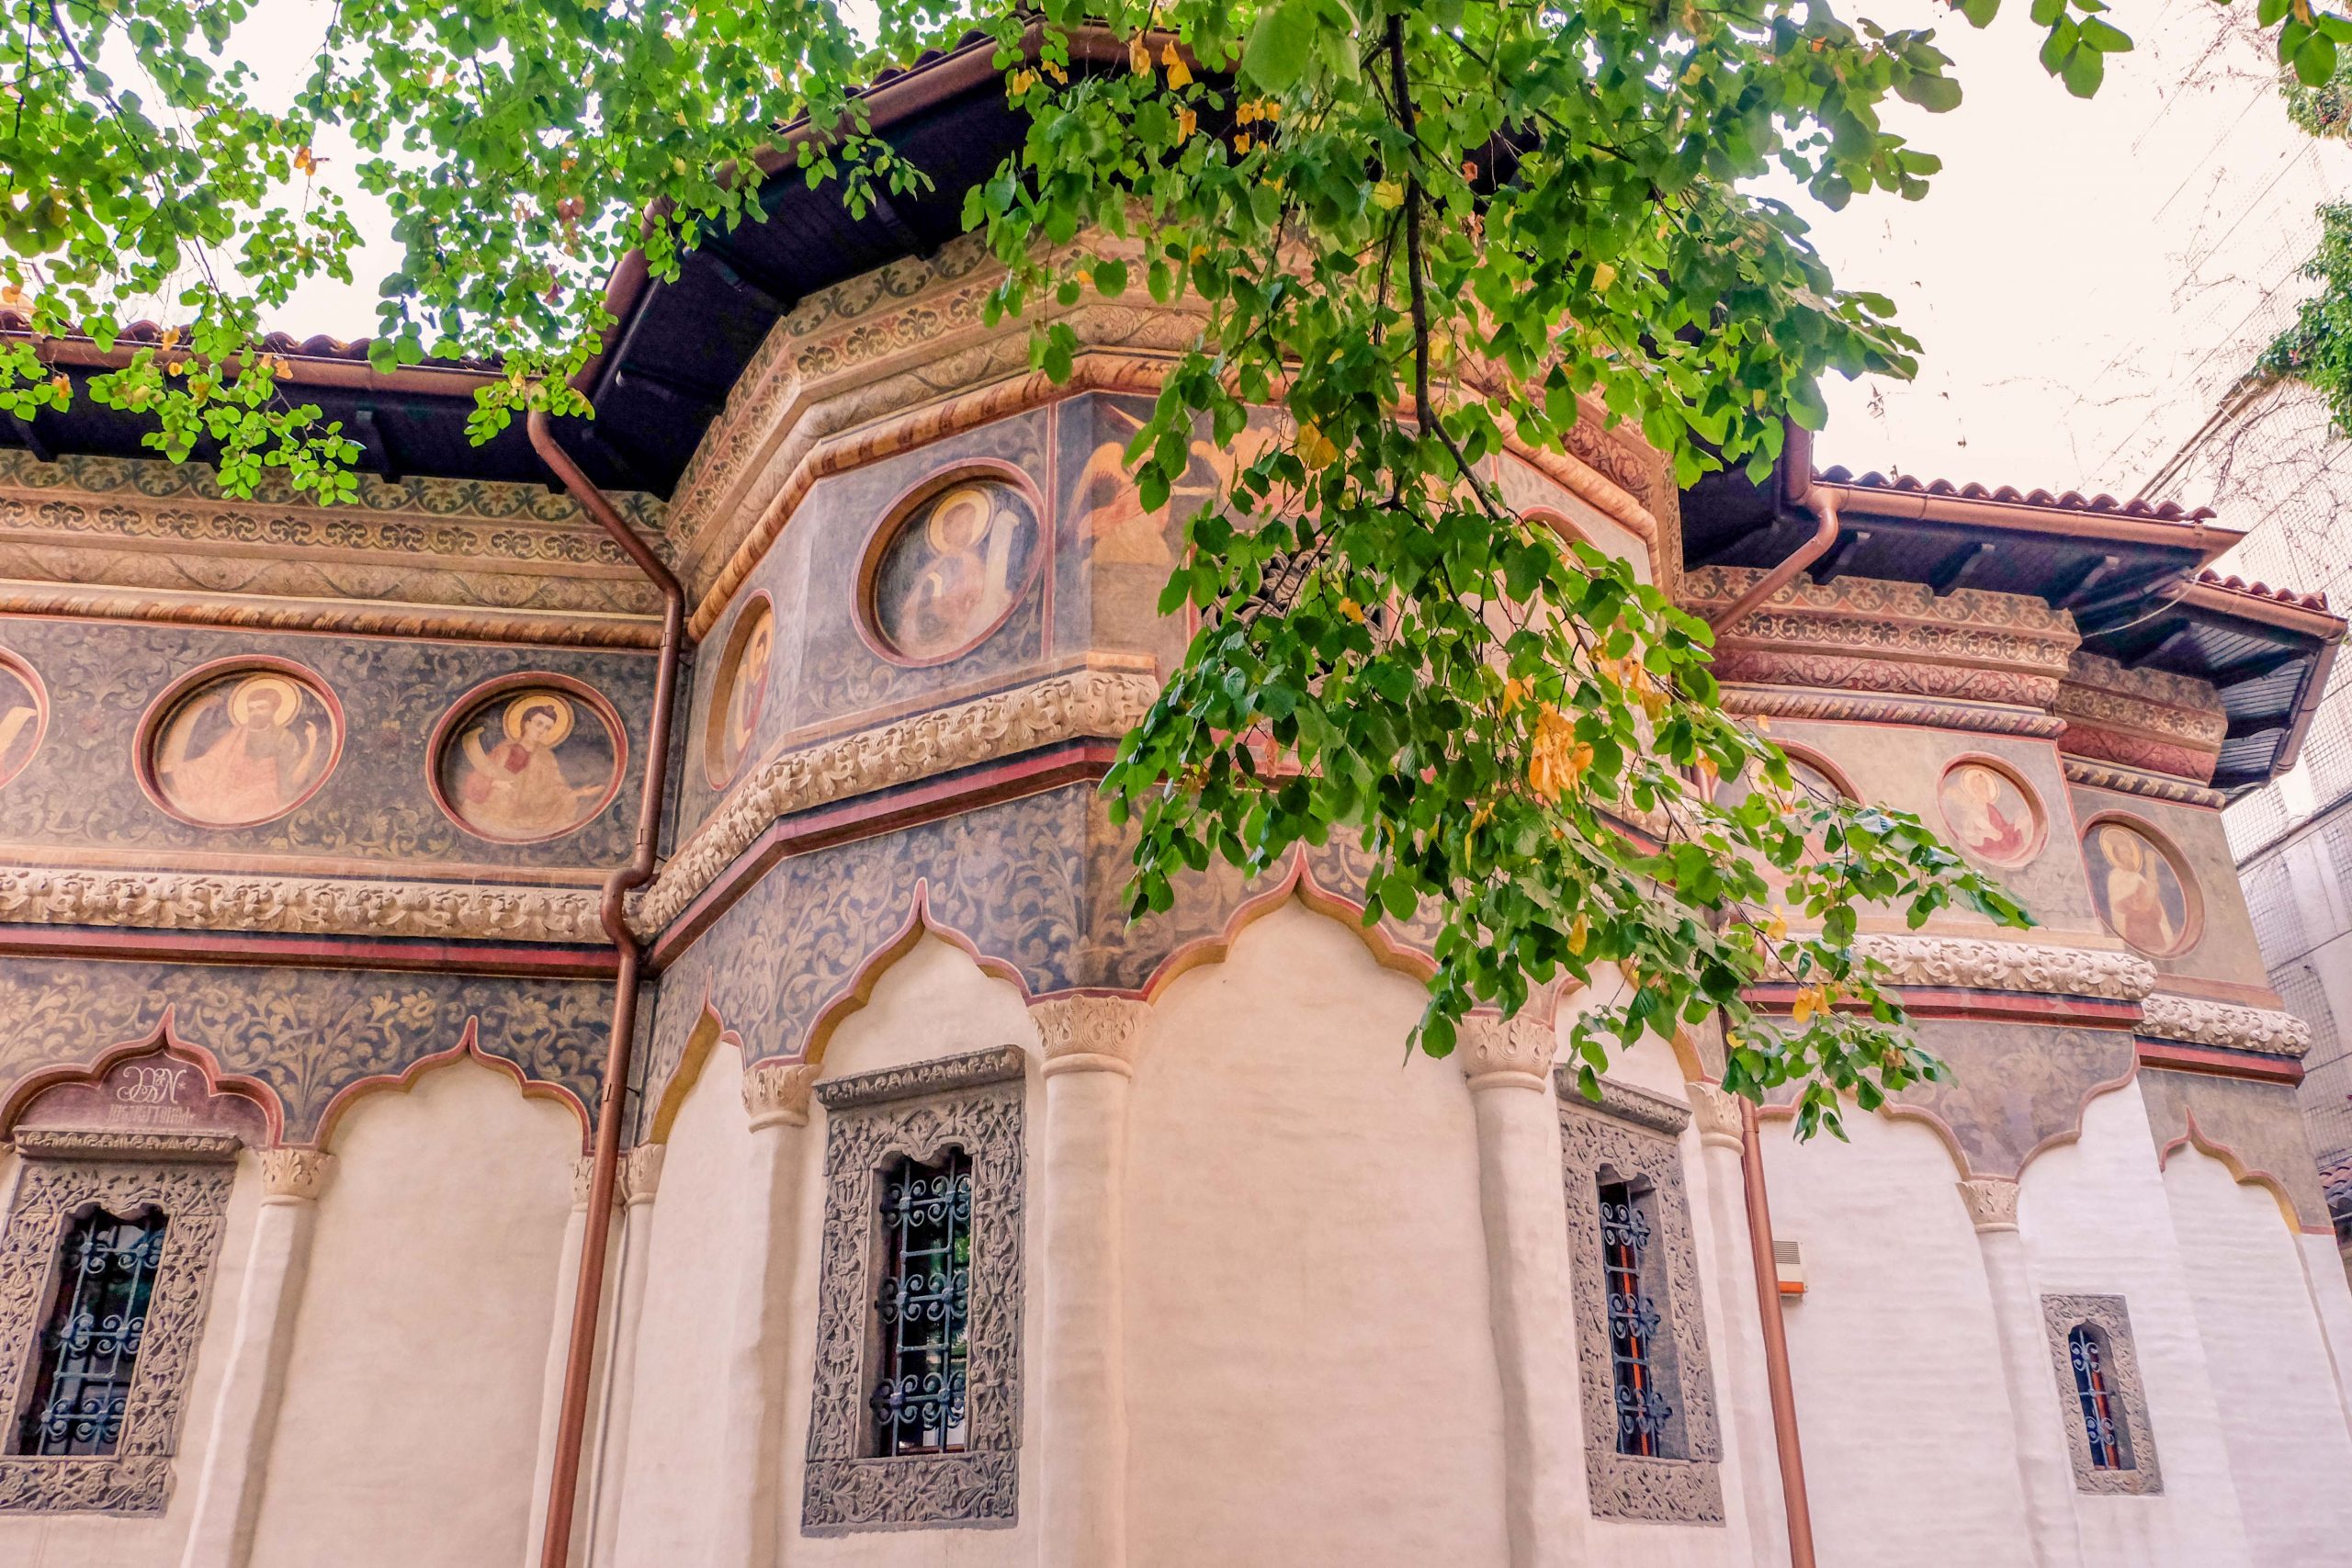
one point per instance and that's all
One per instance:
(945, 1214)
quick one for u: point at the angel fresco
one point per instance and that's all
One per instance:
(2139, 893)
(244, 749)
(743, 690)
(526, 768)
(1989, 814)
(953, 568)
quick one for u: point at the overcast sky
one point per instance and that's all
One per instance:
(2086, 277)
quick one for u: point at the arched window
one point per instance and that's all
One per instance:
(2104, 1428)
(924, 1307)
(1642, 1408)
(89, 1345)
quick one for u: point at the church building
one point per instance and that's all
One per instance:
(580, 1009)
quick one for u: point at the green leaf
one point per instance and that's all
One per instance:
(1280, 46)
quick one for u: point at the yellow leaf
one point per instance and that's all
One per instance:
(1353, 610)
(1388, 195)
(1803, 1008)
(1603, 275)
(1245, 111)
(1515, 692)
(1055, 71)
(1186, 123)
(1179, 74)
(1777, 928)
(1579, 931)
(1315, 449)
(1139, 56)
(60, 386)
(1241, 143)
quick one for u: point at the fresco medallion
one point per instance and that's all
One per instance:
(530, 758)
(236, 745)
(740, 693)
(1990, 813)
(951, 569)
(24, 714)
(2140, 889)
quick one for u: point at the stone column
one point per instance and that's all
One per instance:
(1525, 1219)
(1715, 1111)
(2043, 1468)
(1090, 1059)
(567, 1280)
(236, 1454)
(750, 1529)
(639, 1174)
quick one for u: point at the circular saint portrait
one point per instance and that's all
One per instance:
(528, 762)
(244, 747)
(952, 570)
(740, 693)
(24, 714)
(1989, 814)
(2142, 895)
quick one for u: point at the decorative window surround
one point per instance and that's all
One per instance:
(188, 1178)
(2105, 1313)
(1633, 1134)
(974, 1103)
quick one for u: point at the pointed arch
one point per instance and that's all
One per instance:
(1298, 883)
(165, 1039)
(468, 1048)
(2242, 1172)
(709, 1033)
(859, 990)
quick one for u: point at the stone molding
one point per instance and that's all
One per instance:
(309, 906)
(1627, 1135)
(106, 1143)
(295, 1174)
(2127, 1395)
(1850, 707)
(1080, 704)
(366, 617)
(640, 1176)
(1084, 1033)
(1498, 1053)
(1715, 1110)
(777, 1093)
(2133, 781)
(1991, 1202)
(1974, 964)
(194, 1195)
(972, 1103)
(2154, 701)
(2201, 1022)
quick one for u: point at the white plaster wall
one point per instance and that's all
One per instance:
(2096, 1221)
(1905, 1418)
(411, 1414)
(698, 1247)
(935, 1001)
(2280, 1412)
(84, 1540)
(1310, 1361)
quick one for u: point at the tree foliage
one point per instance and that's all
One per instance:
(1417, 229)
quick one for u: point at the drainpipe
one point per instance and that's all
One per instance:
(1796, 489)
(563, 1486)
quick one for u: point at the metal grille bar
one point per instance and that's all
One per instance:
(923, 1306)
(1642, 1408)
(89, 1349)
(2089, 1359)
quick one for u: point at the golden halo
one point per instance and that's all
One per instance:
(289, 697)
(968, 498)
(520, 709)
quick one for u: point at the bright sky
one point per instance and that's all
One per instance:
(2086, 278)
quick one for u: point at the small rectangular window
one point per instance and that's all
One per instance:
(2109, 1442)
(89, 1346)
(924, 1307)
(2102, 1428)
(1642, 1408)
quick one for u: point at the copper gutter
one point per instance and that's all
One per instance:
(2022, 517)
(580, 1356)
(1796, 1500)
(1797, 488)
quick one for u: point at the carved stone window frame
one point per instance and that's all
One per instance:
(975, 1103)
(188, 1177)
(1634, 1133)
(2060, 1316)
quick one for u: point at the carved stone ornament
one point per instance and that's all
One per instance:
(2131, 781)
(777, 1093)
(2127, 1396)
(1991, 1202)
(1859, 708)
(295, 1174)
(1497, 1053)
(1087, 1033)
(1716, 1110)
(193, 1192)
(583, 1178)
(641, 1173)
(2203, 1022)
(1973, 963)
(111, 1143)
(307, 904)
(1627, 1138)
(1084, 703)
(975, 1104)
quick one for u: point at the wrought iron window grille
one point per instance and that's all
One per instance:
(1643, 1411)
(88, 1354)
(2104, 1430)
(924, 1307)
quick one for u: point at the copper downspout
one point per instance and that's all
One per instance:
(580, 1356)
(1796, 486)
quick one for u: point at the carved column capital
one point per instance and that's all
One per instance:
(641, 1172)
(298, 1175)
(1715, 1110)
(583, 1177)
(777, 1093)
(1496, 1053)
(1089, 1033)
(1992, 1203)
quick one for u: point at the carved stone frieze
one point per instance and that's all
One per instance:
(1991, 1202)
(307, 904)
(366, 617)
(966, 1103)
(2156, 702)
(2135, 1471)
(1088, 1033)
(2131, 781)
(1624, 1102)
(2202, 1022)
(1498, 1052)
(777, 1093)
(115, 1143)
(192, 1194)
(1861, 708)
(1976, 963)
(1081, 705)
(295, 1173)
